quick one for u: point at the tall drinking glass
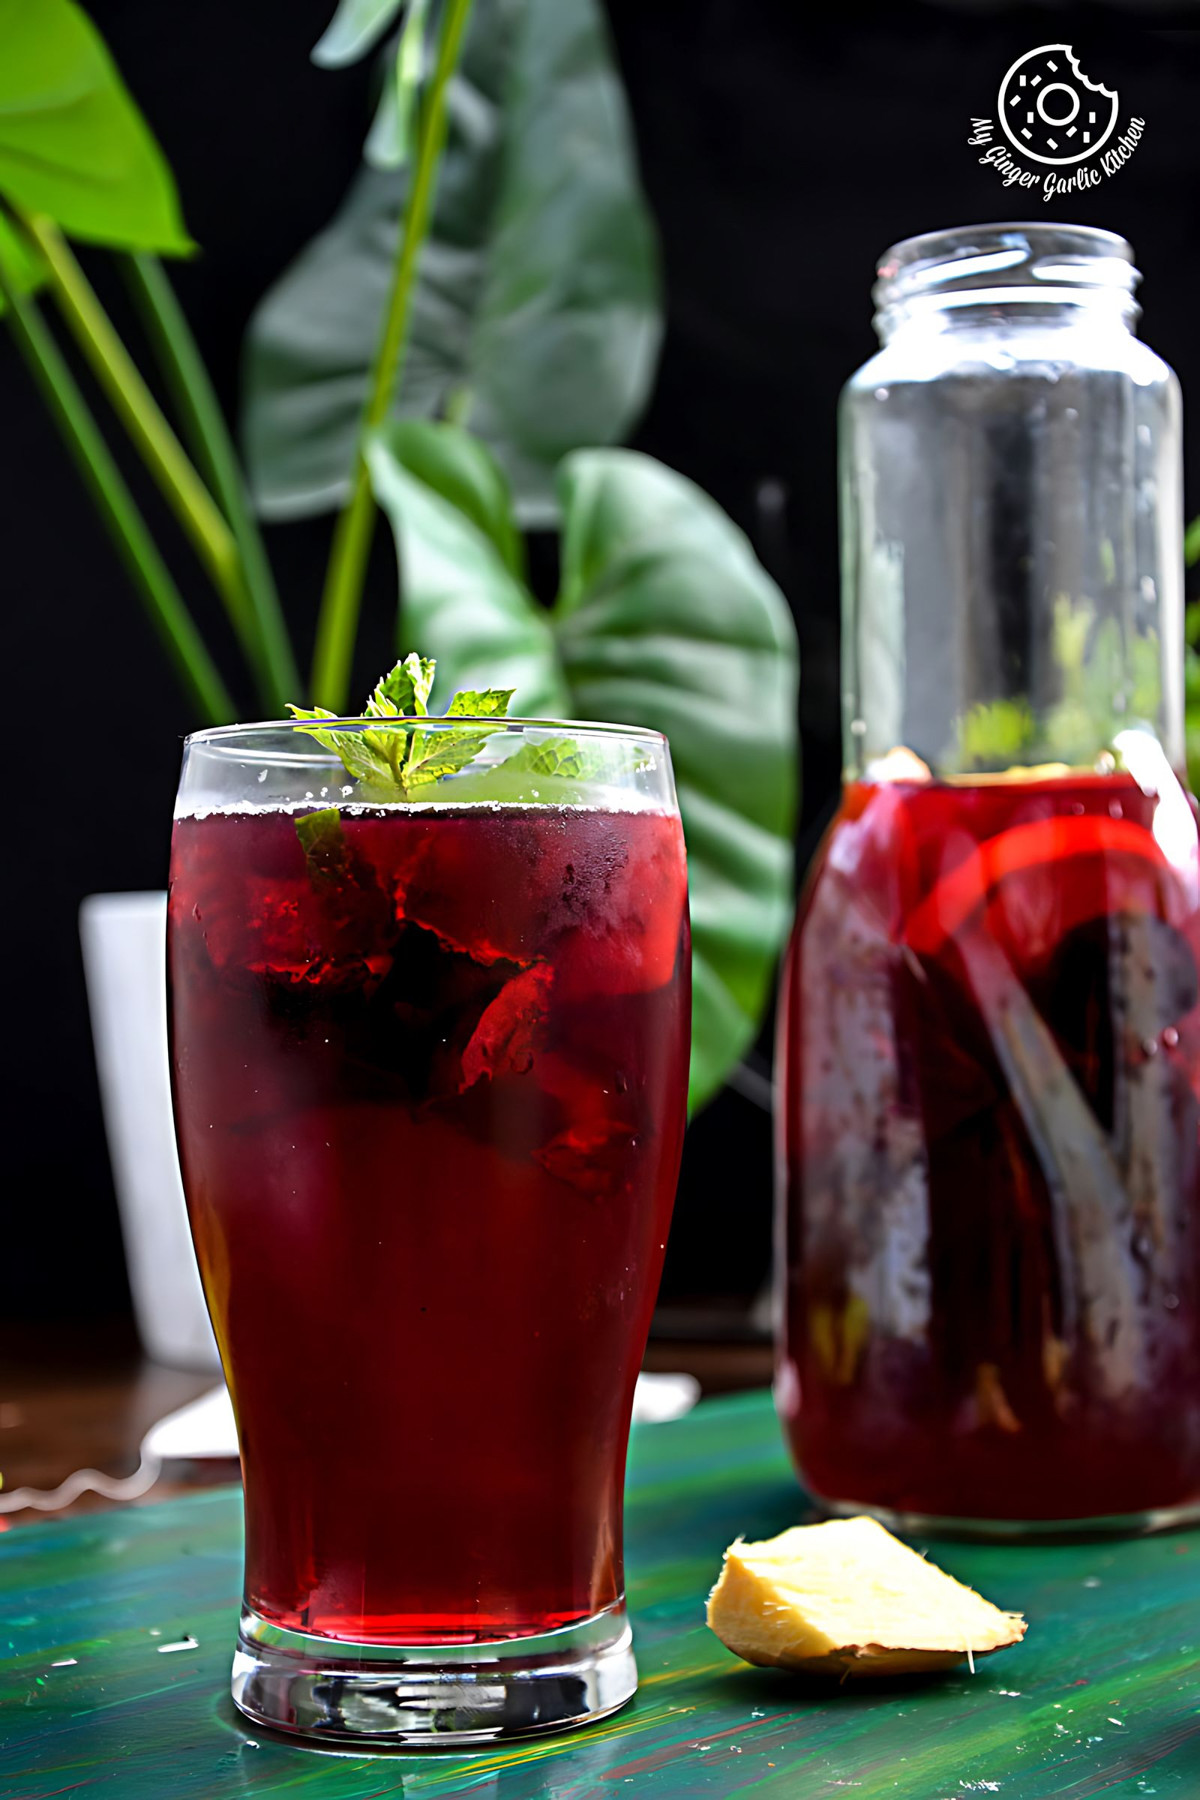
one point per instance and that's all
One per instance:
(430, 1066)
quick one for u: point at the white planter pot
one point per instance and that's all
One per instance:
(125, 961)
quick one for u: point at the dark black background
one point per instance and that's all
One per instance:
(783, 146)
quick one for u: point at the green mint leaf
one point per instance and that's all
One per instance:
(576, 761)
(403, 693)
(433, 754)
(391, 759)
(323, 844)
(438, 753)
(405, 690)
(362, 758)
(390, 748)
(480, 703)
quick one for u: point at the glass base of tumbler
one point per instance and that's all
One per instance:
(438, 1695)
(918, 1524)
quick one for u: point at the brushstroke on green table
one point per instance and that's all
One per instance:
(97, 1695)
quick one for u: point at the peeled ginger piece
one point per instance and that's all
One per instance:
(847, 1598)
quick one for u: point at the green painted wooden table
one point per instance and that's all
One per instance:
(1102, 1698)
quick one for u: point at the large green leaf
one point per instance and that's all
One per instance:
(536, 317)
(664, 619)
(441, 488)
(73, 144)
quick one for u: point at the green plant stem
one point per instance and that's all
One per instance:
(210, 443)
(342, 597)
(143, 418)
(168, 614)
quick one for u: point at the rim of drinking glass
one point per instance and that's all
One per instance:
(225, 737)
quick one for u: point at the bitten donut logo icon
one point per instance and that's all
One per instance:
(1050, 116)
(1050, 111)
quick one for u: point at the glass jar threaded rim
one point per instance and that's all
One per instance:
(1002, 264)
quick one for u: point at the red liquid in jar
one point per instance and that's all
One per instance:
(991, 1050)
(430, 1102)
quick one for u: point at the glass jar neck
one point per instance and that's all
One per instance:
(1011, 510)
(1006, 277)
(1007, 310)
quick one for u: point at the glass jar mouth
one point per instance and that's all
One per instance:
(1012, 262)
(235, 739)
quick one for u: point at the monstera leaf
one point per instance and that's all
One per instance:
(536, 317)
(73, 144)
(665, 619)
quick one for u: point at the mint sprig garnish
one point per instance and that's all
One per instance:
(397, 762)
(400, 759)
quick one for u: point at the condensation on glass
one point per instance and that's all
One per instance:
(1011, 508)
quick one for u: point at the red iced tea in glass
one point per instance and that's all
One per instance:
(430, 1078)
(991, 1049)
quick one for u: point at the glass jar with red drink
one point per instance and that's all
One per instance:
(990, 1095)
